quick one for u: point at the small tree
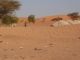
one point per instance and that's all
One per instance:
(9, 20)
(74, 15)
(57, 19)
(7, 8)
(31, 18)
(14, 19)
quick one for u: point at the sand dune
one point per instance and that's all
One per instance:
(40, 43)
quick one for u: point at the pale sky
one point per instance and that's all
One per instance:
(48, 7)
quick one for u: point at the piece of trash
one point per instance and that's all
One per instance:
(37, 49)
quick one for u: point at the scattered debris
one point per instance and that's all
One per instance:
(37, 49)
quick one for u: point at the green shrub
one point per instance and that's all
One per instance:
(31, 18)
(8, 20)
(74, 15)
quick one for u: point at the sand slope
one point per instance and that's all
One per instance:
(40, 43)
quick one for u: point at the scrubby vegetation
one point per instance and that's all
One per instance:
(9, 20)
(7, 8)
(57, 19)
(74, 15)
(31, 18)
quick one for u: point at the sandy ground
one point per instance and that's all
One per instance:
(40, 43)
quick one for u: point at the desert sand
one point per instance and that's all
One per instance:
(36, 42)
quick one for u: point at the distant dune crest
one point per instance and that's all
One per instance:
(63, 21)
